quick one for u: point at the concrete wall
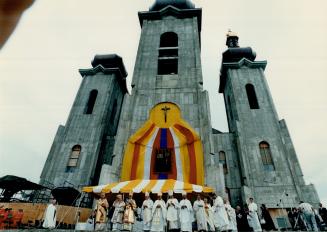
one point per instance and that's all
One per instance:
(93, 132)
(225, 142)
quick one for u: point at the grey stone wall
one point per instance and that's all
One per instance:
(93, 132)
(225, 142)
(51, 159)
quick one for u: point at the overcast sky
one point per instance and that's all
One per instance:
(39, 69)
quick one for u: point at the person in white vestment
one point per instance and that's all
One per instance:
(101, 212)
(50, 215)
(219, 214)
(172, 213)
(159, 213)
(253, 218)
(147, 212)
(200, 214)
(232, 225)
(117, 216)
(129, 213)
(186, 216)
(209, 215)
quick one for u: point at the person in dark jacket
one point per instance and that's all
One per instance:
(296, 220)
(269, 224)
(241, 219)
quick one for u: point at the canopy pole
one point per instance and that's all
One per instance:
(62, 219)
(77, 211)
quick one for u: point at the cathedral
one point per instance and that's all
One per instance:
(162, 128)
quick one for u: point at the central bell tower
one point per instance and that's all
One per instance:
(167, 69)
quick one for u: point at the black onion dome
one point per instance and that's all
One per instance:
(236, 54)
(180, 4)
(110, 61)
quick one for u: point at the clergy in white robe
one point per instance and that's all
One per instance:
(50, 215)
(253, 218)
(117, 216)
(101, 212)
(209, 215)
(129, 215)
(200, 214)
(147, 212)
(159, 214)
(172, 212)
(186, 214)
(232, 225)
(219, 214)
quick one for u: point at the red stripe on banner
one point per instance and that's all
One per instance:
(191, 151)
(156, 145)
(136, 152)
(170, 145)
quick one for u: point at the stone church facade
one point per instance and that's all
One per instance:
(255, 158)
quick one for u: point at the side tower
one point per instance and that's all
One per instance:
(167, 70)
(86, 141)
(259, 143)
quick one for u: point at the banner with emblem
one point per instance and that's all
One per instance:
(165, 147)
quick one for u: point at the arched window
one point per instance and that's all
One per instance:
(91, 102)
(113, 111)
(169, 39)
(266, 157)
(168, 54)
(74, 156)
(222, 160)
(252, 97)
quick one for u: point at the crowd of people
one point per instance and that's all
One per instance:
(173, 215)
(305, 217)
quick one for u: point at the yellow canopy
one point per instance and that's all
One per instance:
(153, 186)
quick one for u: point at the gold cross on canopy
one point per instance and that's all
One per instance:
(165, 109)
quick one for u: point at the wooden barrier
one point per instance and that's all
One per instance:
(32, 212)
(280, 218)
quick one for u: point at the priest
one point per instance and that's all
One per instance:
(232, 225)
(129, 215)
(147, 212)
(253, 215)
(200, 214)
(50, 215)
(209, 215)
(159, 215)
(172, 213)
(186, 214)
(117, 217)
(101, 212)
(219, 214)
